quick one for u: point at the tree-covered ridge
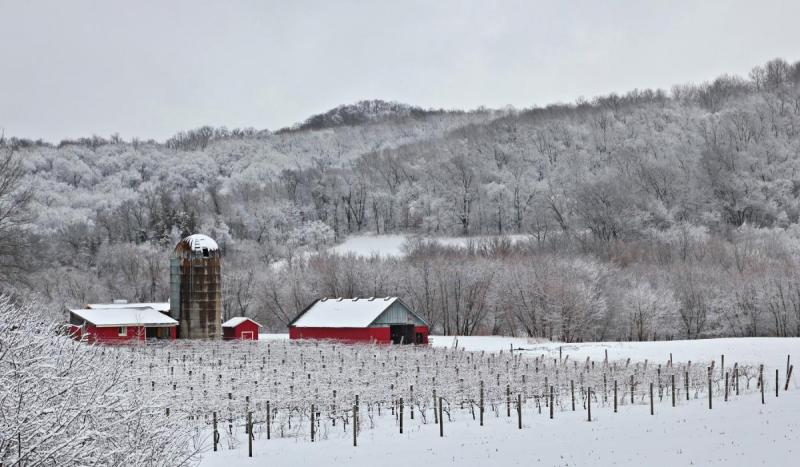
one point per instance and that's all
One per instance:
(689, 196)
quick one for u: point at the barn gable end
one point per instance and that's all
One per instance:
(398, 313)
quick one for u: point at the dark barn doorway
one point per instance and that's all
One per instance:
(402, 333)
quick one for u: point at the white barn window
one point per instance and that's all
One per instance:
(122, 331)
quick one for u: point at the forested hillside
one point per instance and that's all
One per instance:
(653, 214)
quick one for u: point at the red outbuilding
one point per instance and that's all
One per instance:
(118, 325)
(240, 328)
(382, 320)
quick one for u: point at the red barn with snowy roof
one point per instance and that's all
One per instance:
(383, 320)
(118, 324)
(240, 328)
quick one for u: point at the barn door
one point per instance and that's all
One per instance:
(402, 333)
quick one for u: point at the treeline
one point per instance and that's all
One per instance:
(599, 186)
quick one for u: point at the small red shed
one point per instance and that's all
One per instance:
(117, 325)
(240, 328)
(383, 320)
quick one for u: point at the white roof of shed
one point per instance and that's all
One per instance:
(233, 322)
(124, 317)
(159, 306)
(343, 312)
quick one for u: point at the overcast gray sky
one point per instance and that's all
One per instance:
(152, 68)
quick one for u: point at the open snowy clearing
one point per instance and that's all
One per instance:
(389, 246)
(393, 245)
(739, 432)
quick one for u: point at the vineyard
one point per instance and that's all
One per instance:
(317, 390)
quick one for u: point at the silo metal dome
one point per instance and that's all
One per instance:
(196, 293)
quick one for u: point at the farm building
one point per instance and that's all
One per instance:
(195, 287)
(383, 320)
(240, 328)
(118, 324)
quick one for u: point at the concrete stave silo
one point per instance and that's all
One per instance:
(196, 292)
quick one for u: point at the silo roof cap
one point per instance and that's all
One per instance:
(200, 241)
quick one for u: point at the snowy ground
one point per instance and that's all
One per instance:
(687, 435)
(741, 431)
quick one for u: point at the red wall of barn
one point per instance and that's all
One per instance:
(236, 333)
(346, 334)
(351, 334)
(94, 333)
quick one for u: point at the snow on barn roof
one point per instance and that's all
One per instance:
(343, 312)
(102, 317)
(233, 322)
(158, 306)
(200, 241)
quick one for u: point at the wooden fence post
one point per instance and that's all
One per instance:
(788, 377)
(436, 414)
(401, 415)
(761, 381)
(551, 402)
(777, 384)
(572, 390)
(355, 423)
(312, 423)
(589, 401)
(411, 402)
(481, 405)
(726, 386)
(250, 432)
(686, 383)
(269, 420)
(709, 387)
(519, 411)
(216, 433)
(615, 396)
(632, 387)
(508, 400)
(651, 399)
(441, 420)
(672, 380)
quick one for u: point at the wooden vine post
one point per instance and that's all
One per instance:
(250, 431)
(441, 419)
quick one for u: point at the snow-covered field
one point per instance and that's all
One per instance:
(738, 433)
(769, 350)
(741, 431)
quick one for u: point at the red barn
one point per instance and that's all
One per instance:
(240, 328)
(121, 324)
(383, 320)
